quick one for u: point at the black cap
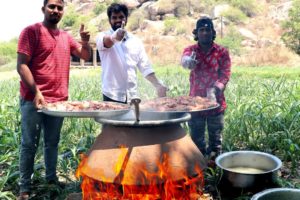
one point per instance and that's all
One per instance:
(205, 22)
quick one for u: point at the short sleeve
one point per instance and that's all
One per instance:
(28, 40)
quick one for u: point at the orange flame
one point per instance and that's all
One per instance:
(152, 186)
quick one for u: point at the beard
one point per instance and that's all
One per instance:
(205, 41)
(115, 26)
(54, 19)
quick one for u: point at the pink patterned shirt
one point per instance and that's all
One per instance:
(212, 70)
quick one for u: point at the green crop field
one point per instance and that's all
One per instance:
(263, 114)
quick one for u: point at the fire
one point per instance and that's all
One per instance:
(150, 185)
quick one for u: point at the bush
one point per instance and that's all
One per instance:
(8, 51)
(196, 6)
(249, 7)
(136, 19)
(166, 5)
(234, 15)
(180, 29)
(292, 28)
(232, 40)
(99, 8)
(70, 17)
(170, 24)
(182, 8)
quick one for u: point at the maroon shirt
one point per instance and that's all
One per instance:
(50, 61)
(213, 70)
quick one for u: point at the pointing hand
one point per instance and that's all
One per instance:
(119, 34)
(189, 62)
(85, 35)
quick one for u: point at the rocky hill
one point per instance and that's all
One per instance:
(252, 33)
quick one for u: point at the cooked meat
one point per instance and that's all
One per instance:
(181, 103)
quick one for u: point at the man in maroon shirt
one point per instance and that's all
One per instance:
(210, 71)
(43, 64)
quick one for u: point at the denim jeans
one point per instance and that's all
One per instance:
(32, 123)
(214, 125)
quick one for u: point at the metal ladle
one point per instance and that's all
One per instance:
(136, 101)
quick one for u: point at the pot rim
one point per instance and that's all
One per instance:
(175, 118)
(268, 191)
(226, 154)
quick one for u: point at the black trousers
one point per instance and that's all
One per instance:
(106, 98)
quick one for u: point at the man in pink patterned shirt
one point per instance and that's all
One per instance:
(210, 71)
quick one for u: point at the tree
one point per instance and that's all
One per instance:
(291, 27)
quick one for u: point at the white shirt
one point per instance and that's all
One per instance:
(119, 66)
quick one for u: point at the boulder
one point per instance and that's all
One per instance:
(85, 8)
(161, 8)
(280, 12)
(131, 4)
(153, 26)
(247, 34)
(219, 9)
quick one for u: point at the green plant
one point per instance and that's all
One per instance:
(70, 17)
(180, 29)
(136, 19)
(8, 51)
(262, 114)
(166, 5)
(182, 8)
(198, 6)
(170, 24)
(265, 119)
(249, 7)
(291, 28)
(99, 8)
(5, 194)
(234, 15)
(232, 40)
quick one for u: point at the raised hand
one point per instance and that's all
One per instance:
(189, 62)
(119, 34)
(85, 35)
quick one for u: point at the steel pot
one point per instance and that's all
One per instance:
(247, 169)
(278, 194)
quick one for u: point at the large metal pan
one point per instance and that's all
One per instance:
(145, 119)
(87, 114)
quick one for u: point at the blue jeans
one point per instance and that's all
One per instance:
(32, 123)
(215, 126)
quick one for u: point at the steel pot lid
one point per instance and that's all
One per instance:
(145, 119)
(278, 193)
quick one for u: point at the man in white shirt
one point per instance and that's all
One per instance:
(121, 54)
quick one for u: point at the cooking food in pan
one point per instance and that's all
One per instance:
(84, 106)
(179, 104)
(85, 109)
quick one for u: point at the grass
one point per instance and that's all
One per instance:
(267, 72)
(263, 114)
